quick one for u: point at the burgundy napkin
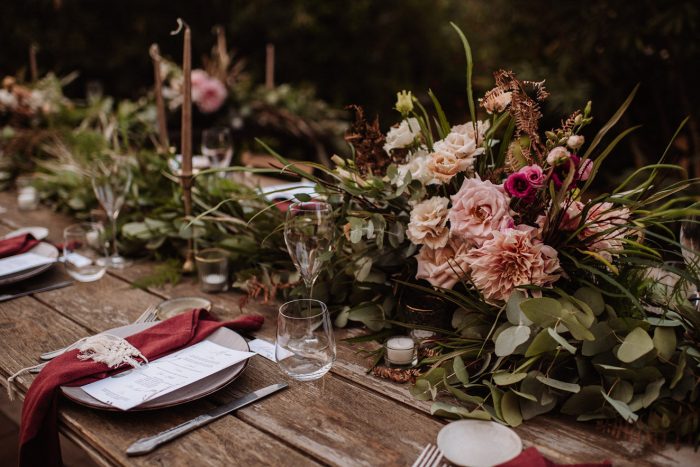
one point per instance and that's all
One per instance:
(38, 437)
(16, 245)
(531, 457)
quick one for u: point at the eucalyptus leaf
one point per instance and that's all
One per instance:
(441, 409)
(621, 408)
(460, 370)
(513, 312)
(563, 342)
(543, 311)
(504, 378)
(623, 391)
(463, 396)
(604, 340)
(369, 314)
(510, 407)
(524, 395)
(341, 320)
(652, 392)
(665, 342)
(421, 390)
(542, 343)
(593, 298)
(555, 383)
(587, 400)
(510, 338)
(636, 344)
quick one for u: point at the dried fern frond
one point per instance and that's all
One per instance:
(368, 141)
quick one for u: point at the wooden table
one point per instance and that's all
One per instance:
(346, 418)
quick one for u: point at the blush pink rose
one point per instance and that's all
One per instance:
(478, 209)
(208, 93)
(443, 267)
(510, 259)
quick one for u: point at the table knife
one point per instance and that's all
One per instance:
(55, 286)
(146, 445)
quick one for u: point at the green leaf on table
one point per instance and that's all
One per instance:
(496, 395)
(510, 338)
(563, 342)
(369, 314)
(524, 395)
(463, 396)
(543, 403)
(665, 342)
(652, 392)
(636, 344)
(341, 320)
(555, 383)
(421, 390)
(604, 340)
(513, 311)
(505, 378)
(434, 375)
(591, 297)
(542, 343)
(460, 370)
(510, 407)
(623, 391)
(442, 409)
(587, 400)
(543, 311)
(621, 408)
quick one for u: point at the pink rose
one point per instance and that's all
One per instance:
(443, 267)
(208, 93)
(478, 209)
(510, 259)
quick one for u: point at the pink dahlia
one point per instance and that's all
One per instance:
(510, 259)
(478, 209)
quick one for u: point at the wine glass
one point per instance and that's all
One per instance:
(305, 345)
(217, 145)
(84, 251)
(111, 181)
(308, 233)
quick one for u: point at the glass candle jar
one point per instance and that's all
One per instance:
(400, 351)
(212, 269)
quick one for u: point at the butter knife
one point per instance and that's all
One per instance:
(146, 445)
(55, 286)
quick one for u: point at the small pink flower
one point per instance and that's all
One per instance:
(208, 93)
(584, 169)
(478, 209)
(518, 186)
(534, 175)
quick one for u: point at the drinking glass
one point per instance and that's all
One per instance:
(305, 346)
(84, 251)
(217, 145)
(111, 181)
(212, 268)
(308, 234)
(690, 241)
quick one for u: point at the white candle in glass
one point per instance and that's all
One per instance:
(214, 279)
(400, 350)
(27, 199)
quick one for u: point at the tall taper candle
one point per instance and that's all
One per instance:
(186, 132)
(33, 70)
(270, 66)
(160, 103)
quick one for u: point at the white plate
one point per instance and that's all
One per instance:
(39, 233)
(477, 443)
(175, 306)
(43, 249)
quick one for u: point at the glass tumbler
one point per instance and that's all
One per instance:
(212, 268)
(305, 346)
(84, 252)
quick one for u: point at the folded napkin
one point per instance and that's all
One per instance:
(531, 457)
(38, 437)
(16, 245)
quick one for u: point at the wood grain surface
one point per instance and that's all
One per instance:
(346, 418)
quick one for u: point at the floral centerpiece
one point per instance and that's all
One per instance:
(552, 287)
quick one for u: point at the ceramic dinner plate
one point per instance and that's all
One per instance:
(175, 306)
(196, 390)
(478, 443)
(43, 249)
(39, 233)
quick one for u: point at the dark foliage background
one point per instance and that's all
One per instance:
(363, 51)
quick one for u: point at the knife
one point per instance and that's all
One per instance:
(57, 285)
(146, 445)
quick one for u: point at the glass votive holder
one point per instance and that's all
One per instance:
(27, 196)
(212, 269)
(400, 351)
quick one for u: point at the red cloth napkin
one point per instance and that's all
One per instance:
(38, 437)
(16, 245)
(531, 457)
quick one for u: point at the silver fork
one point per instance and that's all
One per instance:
(149, 315)
(429, 457)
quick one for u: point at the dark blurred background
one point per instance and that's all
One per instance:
(363, 51)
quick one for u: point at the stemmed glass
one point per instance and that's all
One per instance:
(308, 233)
(111, 181)
(305, 345)
(690, 242)
(217, 146)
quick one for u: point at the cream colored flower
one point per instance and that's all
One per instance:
(498, 104)
(417, 166)
(428, 225)
(510, 259)
(443, 267)
(478, 209)
(556, 155)
(404, 102)
(403, 135)
(443, 166)
(575, 141)
(464, 144)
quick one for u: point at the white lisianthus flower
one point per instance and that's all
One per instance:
(403, 135)
(7, 99)
(557, 155)
(464, 144)
(575, 141)
(428, 225)
(417, 166)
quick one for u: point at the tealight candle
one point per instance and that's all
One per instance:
(400, 350)
(27, 199)
(212, 267)
(214, 279)
(93, 238)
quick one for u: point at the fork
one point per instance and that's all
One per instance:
(149, 315)
(429, 457)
